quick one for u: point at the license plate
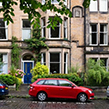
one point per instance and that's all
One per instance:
(6, 87)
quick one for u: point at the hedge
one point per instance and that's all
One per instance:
(8, 79)
(71, 77)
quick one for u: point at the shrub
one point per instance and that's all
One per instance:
(39, 69)
(18, 83)
(72, 77)
(96, 74)
(8, 79)
(16, 72)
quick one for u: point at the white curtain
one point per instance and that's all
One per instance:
(93, 6)
(103, 5)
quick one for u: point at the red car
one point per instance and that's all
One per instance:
(59, 88)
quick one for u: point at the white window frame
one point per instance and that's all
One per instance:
(43, 26)
(101, 4)
(42, 59)
(66, 27)
(96, 35)
(59, 32)
(66, 63)
(56, 62)
(106, 35)
(6, 30)
(5, 63)
(93, 6)
(29, 29)
(0, 4)
(65, 2)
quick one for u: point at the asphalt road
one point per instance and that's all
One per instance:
(29, 103)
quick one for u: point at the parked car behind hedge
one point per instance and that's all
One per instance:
(3, 89)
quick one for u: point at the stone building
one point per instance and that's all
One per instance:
(83, 36)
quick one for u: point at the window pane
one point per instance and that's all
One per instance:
(26, 33)
(43, 27)
(54, 2)
(43, 58)
(54, 57)
(93, 34)
(50, 82)
(93, 5)
(26, 24)
(2, 23)
(103, 5)
(94, 38)
(103, 34)
(54, 68)
(41, 82)
(55, 33)
(2, 33)
(64, 83)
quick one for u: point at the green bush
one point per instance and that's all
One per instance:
(72, 77)
(8, 79)
(96, 74)
(39, 69)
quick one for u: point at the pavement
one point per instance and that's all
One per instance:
(24, 88)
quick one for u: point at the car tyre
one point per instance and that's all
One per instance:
(82, 97)
(41, 96)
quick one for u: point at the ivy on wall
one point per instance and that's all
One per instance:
(36, 42)
(15, 52)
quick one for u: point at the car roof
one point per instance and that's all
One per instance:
(52, 78)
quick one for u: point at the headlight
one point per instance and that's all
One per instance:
(90, 91)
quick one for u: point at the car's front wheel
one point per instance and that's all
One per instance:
(82, 97)
(42, 96)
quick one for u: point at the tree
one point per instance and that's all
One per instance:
(31, 7)
(86, 3)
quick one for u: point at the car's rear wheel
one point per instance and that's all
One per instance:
(82, 97)
(42, 96)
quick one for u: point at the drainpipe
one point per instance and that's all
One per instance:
(85, 39)
(70, 36)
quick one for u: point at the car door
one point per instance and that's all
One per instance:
(51, 88)
(66, 90)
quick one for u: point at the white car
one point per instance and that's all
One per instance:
(108, 91)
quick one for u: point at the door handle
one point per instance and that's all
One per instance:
(47, 88)
(60, 89)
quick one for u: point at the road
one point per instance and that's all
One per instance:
(29, 103)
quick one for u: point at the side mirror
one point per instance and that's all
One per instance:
(73, 85)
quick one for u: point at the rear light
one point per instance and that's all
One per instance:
(2, 87)
(31, 87)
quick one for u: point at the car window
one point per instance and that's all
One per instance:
(64, 83)
(40, 82)
(50, 82)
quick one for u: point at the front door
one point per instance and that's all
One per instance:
(27, 67)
